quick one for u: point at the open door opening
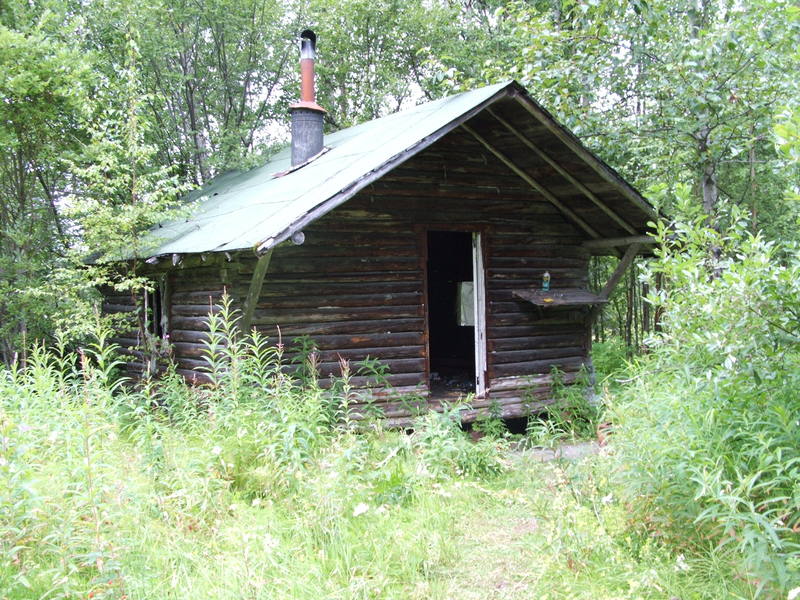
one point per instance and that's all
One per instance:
(451, 312)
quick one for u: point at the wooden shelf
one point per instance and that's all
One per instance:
(559, 297)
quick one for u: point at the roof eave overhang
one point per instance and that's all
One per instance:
(587, 156)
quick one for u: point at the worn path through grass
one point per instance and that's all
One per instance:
(556, 530)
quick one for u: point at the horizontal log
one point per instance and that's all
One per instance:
(381, 394)
(408, 206)
(568, 314)
(393, 380)
(535, 342)
(187, 335)
(332, 224)
(576, 302)
(532, 273)
(355, 355)
(478, 173)
(543, 251)
(362, 277)
(328, 301)
(385, 354)
(180, 309)
(519, 382)
(113, 297)
(196, 297)
(334, 287)
(189, 323)
(498, 284)
(540, 327)
(511, 408)
(189, 350)
(125, 341)
(367, 341)
(538, 367)
(342, 264)
(347, 248)
(395, 367)
(198, 274)
(468, 220)
(519, 356)
(324, 315)
(318, 235)
(528, 233)
(118, 308)
(384, 326)
(557, 264)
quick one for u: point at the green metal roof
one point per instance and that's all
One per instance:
(260, 208)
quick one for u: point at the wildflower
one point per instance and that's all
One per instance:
(270, 542)
(680, 563)
(360, 509)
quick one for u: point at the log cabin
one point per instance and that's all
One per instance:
(422, 239)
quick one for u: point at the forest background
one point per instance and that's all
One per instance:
(111, 110)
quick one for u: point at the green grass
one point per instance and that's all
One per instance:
(172, 511)
(539, 531)
(261, 487)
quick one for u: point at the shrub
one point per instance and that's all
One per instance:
(446, 450)
(707, 431)
(574, 415)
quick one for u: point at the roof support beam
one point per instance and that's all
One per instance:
(561, 171)
(255, 290)
(590, 159)
(532, 182)
(620, 241)
(625, 262)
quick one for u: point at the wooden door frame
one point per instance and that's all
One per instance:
(478, 232)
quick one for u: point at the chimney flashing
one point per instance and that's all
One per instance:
(307, 105)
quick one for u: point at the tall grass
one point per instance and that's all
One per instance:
(262, 485)
(255, 485)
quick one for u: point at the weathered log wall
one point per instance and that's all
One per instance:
(357, 284)
(192, 289)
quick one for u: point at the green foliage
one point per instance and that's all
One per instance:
(574, 414)
(609, 359)
(94, 469)
(247, 488)
(491, 423)
(372, 53)
(668, 92)
(447, 450)
(45, 87)
(707, 429)
(123, 190)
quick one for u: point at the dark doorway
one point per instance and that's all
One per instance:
(451, 324)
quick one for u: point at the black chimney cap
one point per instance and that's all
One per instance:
(307, 34)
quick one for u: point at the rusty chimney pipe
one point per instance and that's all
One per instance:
(306, 114)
